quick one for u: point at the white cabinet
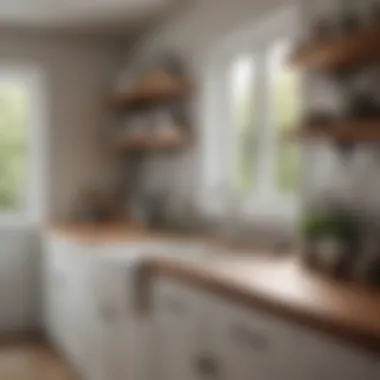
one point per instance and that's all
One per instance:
(324, 358)
(68, 301)
(88, 308)
(190, 334)
(248, 345)
(177, 317)
(252, 345)
(199, 336)
(122, 331)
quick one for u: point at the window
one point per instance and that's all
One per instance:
(254, 102)
(22, 148)
(13, 145)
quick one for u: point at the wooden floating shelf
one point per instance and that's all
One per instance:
(356, 49)
(146, 97)
(150, 141)
(350, 131)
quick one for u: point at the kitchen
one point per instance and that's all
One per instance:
(218, 287)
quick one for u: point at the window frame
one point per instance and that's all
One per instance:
(34, 209)
(263, 203)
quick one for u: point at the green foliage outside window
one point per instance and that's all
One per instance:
(13, 147)
(286, 111)
(283, 99)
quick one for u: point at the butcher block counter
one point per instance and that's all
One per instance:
(117, 232)
(279, 285)
(284, 288)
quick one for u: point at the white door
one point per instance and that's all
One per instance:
(176, 332)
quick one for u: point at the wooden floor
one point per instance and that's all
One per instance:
(31, 361)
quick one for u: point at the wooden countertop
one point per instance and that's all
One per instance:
(284, 288)
(278, 285)
(116, 232)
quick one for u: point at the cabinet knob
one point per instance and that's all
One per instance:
(207, 366)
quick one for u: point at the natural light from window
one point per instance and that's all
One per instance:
(13, 145)
(285, 108)
(261, 114)
(254, 106)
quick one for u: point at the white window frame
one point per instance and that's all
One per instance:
(217, 148)
(36, 192)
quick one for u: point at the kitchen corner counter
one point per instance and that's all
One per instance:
(278, 285)
(283, 288)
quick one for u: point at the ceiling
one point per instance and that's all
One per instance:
(102, 16)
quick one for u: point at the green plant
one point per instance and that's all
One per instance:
(325, 224)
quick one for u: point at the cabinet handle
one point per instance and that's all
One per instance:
(207, 366)
(256, 340)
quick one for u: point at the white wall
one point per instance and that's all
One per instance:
(77, 76)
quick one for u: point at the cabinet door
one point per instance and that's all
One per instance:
(118, 325)
(176, 327)
(321, 357)
(80, 309)
(249, 346)
(253, 345)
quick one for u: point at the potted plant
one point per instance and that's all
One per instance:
(331, 241)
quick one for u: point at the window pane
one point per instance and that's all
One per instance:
(286, 109)
(13, 145)
(242, 77)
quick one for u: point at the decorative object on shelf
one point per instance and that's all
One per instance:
(363, 95)
(331, 242)
(359, 46)
(137, 124)
(155, 108)
(154, 88)
(172, 64)
(349, 24)
(318, 119)
(375, 11)
(164, 121)
(91, 206)
(367, 267)
(322, 31)
(348, 18)
(363, 107)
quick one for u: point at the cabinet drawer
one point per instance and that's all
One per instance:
(250, 345)
(324, 358)
(176, 300)
(277, 349)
